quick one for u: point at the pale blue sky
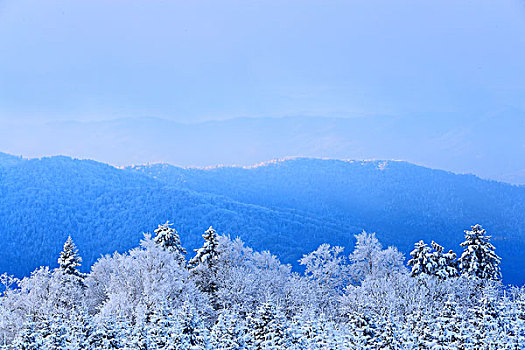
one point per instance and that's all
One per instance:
(436, 82)
(200, 60)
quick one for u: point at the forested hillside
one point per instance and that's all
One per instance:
(107, 209)
(288, 207)
(400, 201)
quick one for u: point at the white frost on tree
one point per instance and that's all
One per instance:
(479, 258)
(69, 259)
(421, 261)
(205, 264)
(365, 256)
(168, 238)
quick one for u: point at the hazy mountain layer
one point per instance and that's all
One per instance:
(490, 146)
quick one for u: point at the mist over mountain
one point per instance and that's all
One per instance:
(491, 146)
(288, 207)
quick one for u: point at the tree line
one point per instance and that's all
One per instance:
(228, 296)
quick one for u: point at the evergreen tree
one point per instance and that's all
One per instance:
(268, 328)
(191, 333)
(483, 324)
(420, 262)
(448, 327)
(478, 258)
(56, 339)
(168, 238)
(205, 265)
(515, 312)
(28, 338)
(69, 259)
(449, 265)
(387, 334)
(160, 329)
(108, 334)
(326, 337)
(360, 331)
(228, 332)
(443, 265)
(80, 329)
(138, 337)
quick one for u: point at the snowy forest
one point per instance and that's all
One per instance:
(228, 296)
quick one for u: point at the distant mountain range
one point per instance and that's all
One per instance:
(491, 146)
(288, 206)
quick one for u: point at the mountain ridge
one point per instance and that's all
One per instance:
(480, 146)
(287, 206)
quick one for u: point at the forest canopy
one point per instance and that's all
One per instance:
(228, 296)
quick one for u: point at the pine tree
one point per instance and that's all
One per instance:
(478, 258)
(326, 337)
(515, 326)
(228, 332)
(138, 338)
(28, 338)
(424, 331)
(160, 328)
(69, 259)
(360, 331)
(448, 332)
(483, 324)
(168, 238)
(80, 328)
(205, 265)
(268, 328)
(443, 265)
(420, 262)
(191, 333)
(56, 339)
(387, 334)
(107, 334)
(449, 265)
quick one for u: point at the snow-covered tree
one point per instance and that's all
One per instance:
(326, 265)
(69, 259)
(365, 256)
(142, 279)
(360, 331)
(28, 338)
(169, 239)
(443, 265)
(483, 320)
(387, 335)
(420, 262)
(108, 333)
(268, 328)
(204, 264)
(390, 262)
(148, 299)
(229, 332)
(191, 332)
(479, 258)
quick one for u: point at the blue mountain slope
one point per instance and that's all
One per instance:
(288, 207)
(402, 202)
(107, 209)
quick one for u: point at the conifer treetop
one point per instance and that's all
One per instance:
(168, 238)
(209, 250)
(69, 259)
(479, 258)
